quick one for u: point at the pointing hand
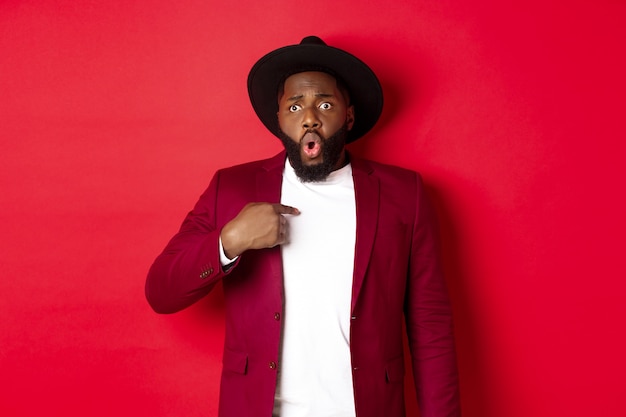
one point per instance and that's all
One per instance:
(257, 226)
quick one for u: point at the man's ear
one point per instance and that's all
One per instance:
(350, 118)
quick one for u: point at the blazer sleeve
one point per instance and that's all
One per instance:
(429, 318)
(189, 266)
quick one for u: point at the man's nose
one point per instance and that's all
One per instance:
(310, 120)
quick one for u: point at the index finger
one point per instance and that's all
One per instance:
(283, 209)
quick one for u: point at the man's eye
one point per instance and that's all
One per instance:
(294, 107)
(325, 106)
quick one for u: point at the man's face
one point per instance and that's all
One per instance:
(314, 117)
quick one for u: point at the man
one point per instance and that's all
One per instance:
(320, 253)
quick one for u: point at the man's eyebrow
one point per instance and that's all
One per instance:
(320, 95)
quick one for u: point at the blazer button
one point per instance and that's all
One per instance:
(207, 270)
(277, 316)
(272, 365)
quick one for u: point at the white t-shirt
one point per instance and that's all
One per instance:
(315, 372)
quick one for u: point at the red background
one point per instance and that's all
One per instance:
(114, 115)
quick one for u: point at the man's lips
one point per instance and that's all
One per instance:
(311, 145)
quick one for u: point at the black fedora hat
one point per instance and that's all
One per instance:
(312, 54)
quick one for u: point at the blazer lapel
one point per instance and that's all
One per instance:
(269, 181)
(367, 194)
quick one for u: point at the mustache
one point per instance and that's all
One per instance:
(314, 132)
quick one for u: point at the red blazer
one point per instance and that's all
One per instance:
(397, 275)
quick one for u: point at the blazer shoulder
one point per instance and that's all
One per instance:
(267, 164)
(387, 174)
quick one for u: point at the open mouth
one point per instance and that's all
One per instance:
(311, 144)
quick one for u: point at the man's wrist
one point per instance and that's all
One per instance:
(225, 261)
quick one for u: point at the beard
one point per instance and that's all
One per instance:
(332, 148)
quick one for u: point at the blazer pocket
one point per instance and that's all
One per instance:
(394, 370)
(235, 361)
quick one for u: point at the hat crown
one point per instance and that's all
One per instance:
(312, 40)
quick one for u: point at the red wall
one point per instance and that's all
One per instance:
(114, 115)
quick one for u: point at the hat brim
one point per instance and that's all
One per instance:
(266, 75)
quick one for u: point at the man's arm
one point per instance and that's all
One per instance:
(189, 266)
(429, 319)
